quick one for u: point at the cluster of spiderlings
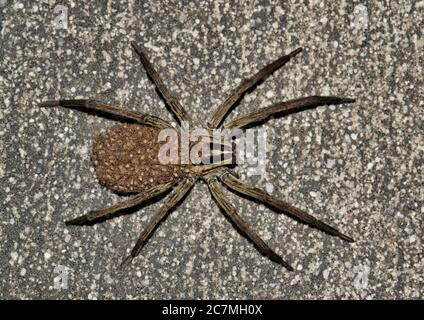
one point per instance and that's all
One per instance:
(125, 158)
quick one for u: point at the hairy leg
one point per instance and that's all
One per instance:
(221, 112)
(96, 106)
(180, 191)
(237, 185)
(169, 98)
(110, 211)
(284, 107)
(243, 227)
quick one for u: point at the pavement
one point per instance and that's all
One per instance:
(358, 166)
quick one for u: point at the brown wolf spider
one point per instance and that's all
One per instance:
(125, 158)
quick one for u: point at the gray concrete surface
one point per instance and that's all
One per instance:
(358, 167)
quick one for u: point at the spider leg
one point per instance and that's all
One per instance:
(237, 185)
(170, 202)
(99, 215)
(220, 113)
(244, 228)
(96, 106)
(170, 100)
(285, 108)
(204, 168)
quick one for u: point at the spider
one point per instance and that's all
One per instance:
(125, 158)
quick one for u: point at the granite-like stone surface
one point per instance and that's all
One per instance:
(359, 166)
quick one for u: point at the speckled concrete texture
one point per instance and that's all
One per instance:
(358, 167)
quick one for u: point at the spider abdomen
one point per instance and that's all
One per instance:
(125, 158)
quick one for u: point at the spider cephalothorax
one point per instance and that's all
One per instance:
(126, 160)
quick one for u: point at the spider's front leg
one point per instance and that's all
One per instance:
(284, 107)
(243, 227)
(281, 206)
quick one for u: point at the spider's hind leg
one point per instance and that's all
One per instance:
(94, 106)
(102, 214)
(175, 106)
(172, 200)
